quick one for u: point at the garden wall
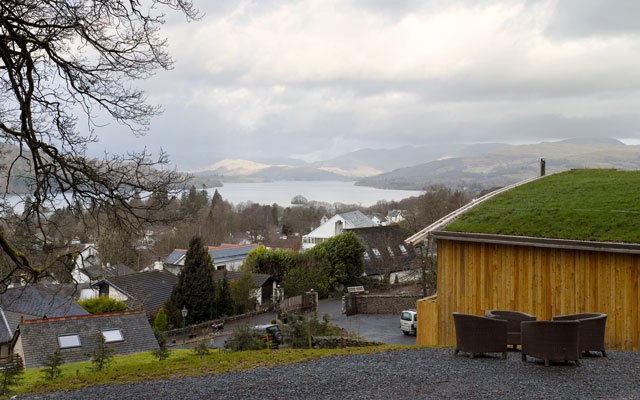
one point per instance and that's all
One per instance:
(377, 303)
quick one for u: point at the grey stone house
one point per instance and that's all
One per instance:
(126, 332)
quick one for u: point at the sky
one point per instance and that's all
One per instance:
(314, 79)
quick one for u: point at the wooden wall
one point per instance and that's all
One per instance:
(474, 277)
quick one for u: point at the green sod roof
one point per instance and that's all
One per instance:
(594, 205)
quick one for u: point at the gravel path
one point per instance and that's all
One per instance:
(412, 374)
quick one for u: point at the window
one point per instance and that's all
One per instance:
(112, 335)
(390, 251)
(403, 249)
(376, 252)
(366, 255)
(69, 341)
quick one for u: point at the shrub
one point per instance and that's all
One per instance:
(201, 349)
(14, 369)
(102, 355)
(102, 304)
(162, 352)
(52, 365)
(245, 338)
(297, 331)
(160, 321)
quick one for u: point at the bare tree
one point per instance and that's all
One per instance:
(58, 57)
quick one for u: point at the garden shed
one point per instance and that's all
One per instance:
(562, 244)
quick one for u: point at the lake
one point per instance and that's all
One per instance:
(327, 191)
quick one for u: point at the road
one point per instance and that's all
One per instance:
(382, 328)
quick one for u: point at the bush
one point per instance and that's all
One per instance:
(297, 331)
(245, 339)
(201, 349)
(160, 321)
(52, 365)
(162, 352)
(102, 304)
(102, 355)
(14, 369)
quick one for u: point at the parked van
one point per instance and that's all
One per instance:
(409, 322)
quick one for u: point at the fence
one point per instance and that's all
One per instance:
(299, 304)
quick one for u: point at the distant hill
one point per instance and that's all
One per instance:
(368, 162)
(234, 170)
(510, 164)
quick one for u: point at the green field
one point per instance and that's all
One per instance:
(594, 205)
(142, 367)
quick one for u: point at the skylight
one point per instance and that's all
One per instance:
(69, 341)
(112, 335)
(376, 252)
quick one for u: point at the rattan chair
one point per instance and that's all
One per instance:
(592, 326)
(513, 319)
(477, 335)
(551, 341)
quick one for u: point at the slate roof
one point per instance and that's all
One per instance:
(219, 254)
(382, 238)
(108, 271)
(258, 279)
(6, 334)
(39, 301)
(150, 289)
(356, 219)
(40, 337)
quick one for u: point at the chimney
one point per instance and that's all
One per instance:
(158, 266)
(542, 167)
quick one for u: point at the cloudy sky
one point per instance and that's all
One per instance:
(314, 79)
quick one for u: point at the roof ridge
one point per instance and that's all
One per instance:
(72, 317)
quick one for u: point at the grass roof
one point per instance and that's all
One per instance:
(594, 205)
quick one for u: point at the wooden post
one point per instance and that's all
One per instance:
(542, 167)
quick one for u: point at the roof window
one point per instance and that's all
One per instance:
(390, 251)
(112, 335)
(376, 251)
(69, 341)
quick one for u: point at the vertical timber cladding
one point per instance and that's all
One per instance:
(475, 276)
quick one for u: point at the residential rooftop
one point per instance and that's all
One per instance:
(591, 205)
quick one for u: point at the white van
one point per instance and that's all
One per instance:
(409, 322)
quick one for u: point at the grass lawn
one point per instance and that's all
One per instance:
(144, 367)
(595, 205)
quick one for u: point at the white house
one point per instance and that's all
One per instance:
(394, 217)
(334, 226)
(87, 258)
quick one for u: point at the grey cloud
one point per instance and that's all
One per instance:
(578, 18)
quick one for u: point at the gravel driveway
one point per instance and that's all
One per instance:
(412, 374)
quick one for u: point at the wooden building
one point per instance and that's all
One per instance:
(537, 275)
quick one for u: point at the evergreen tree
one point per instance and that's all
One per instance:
(224, 298)
(52, 365)
(160, 321)
(195, 289)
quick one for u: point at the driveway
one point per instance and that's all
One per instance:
(382, 328)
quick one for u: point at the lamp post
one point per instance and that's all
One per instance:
(184, 324)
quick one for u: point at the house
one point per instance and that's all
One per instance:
(561, 244)
(335, 226)
(377, 219)
(227, 256)
(264, 284)
(76, 337)
(394, 217)
(87, 258)
(36, 302)
(387, 258)
(143, 290)
(6, 337)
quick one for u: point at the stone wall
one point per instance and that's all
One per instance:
(377, 303)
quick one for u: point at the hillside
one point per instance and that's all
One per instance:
(508, 165)
(369, 162)
(234, 170)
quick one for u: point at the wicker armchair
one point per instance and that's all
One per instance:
(513, 319)
(476, 335)
(592, 326)
(551, 341)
